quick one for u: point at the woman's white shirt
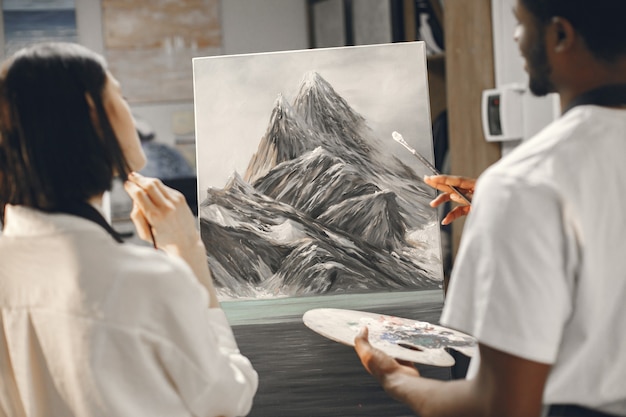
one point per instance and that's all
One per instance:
(91, 327)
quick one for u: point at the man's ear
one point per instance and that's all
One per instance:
(563, 34)
(93, 114)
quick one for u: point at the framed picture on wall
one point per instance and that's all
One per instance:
(149, 45)
(29, 21)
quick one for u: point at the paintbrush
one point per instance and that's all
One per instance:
(154, 245)
(398, 138)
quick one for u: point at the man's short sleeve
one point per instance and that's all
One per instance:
(509, 286)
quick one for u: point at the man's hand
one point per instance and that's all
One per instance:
(443, 183)
(163, 212)
(390, 373)
(504, 386)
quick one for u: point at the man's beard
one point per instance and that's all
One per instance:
(539, 69)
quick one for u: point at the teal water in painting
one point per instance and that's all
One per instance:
(291, 309)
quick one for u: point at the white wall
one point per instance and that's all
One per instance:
(264, 25)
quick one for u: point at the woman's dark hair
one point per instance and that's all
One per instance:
(51, 152)
(599, 22)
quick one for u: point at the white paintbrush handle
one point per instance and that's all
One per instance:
(398, 138)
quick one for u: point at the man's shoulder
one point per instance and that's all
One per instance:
(540, 157)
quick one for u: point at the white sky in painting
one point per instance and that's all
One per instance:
(235, 95)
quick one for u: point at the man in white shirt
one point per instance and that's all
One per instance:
(540, 277)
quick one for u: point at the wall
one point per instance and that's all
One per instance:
(247, 26)
(264, 25)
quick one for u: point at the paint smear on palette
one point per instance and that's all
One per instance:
(419, 333)
(406, 339)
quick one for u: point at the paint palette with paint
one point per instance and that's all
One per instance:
(404, 339)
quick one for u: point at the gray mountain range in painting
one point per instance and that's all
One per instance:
(320, 209)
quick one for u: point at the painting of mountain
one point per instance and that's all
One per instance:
(322, 205)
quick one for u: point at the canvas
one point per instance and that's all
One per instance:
(303, 191)
(306, 201)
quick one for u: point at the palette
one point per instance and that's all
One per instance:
(404, 339)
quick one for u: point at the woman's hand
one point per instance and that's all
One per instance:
(162, 212)
(443, 183)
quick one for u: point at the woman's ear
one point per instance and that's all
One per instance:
(93, 114)
(564, 34)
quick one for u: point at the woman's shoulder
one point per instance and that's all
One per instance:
(147, 265)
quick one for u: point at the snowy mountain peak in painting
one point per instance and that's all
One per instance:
(287, 137)
(374, 217)
(317, 99)
(320, 208)
(327, 112)
(314, 182)
(236, 183)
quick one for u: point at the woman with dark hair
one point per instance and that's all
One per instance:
(91, 326)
